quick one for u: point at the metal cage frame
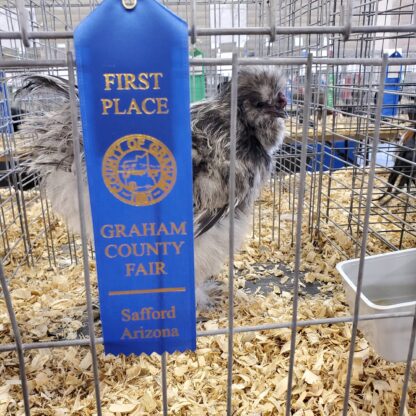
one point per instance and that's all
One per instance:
(273, 29)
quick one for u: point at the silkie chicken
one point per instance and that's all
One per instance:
(260, 131)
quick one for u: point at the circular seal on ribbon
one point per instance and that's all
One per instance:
(139, 170)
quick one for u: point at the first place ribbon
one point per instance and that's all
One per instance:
(133, 76)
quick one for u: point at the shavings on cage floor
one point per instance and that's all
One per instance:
(49, 300)
(342, 126)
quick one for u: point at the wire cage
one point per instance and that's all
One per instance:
(343, 187)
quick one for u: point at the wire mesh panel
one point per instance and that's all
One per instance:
(342, 186)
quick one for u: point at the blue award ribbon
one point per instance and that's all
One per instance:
(133, 76)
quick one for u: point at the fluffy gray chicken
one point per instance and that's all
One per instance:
(260, 131)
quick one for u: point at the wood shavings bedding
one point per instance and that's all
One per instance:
(50, 305)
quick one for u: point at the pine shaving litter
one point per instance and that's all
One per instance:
(122, 408)
(49, 302)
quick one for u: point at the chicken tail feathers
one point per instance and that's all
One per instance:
(47, 143)
(44, 84)
(47, 135)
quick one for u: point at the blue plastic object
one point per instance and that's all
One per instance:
(5, 124)
(392, 83)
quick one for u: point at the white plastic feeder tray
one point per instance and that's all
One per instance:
(389, 285)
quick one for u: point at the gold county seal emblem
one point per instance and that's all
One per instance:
(139, 170)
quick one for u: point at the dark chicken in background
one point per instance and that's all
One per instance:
(403, 173)
(13, 172)
(260, 131)
(17, 116)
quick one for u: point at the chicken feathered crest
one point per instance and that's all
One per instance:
(260, 131)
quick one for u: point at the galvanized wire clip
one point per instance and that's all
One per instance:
(272, 15)
(193, 18)
(414, 17)
(129, 4)
(23, 18)
(346, 18)
(272, 33)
